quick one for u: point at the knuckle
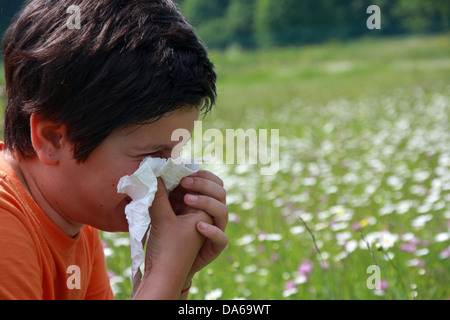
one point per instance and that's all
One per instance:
(225, 241)
(226, 211)
(223, 194)
(207, 201)
(208, 219)
(203, 216)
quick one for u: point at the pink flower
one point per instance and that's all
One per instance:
(383, 285)
(305, 268)
(290, 289)
(445, 254)
(356, 226)
(415, 241)
(408, 247)
(325, 265)
(234, 218)
(289, 285)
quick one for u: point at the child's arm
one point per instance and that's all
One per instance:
(211, 199)
(171, 250)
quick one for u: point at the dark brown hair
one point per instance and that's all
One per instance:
(130, 62)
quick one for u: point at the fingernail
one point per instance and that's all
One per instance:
(188, 181)
(203, 225)
(192, 198)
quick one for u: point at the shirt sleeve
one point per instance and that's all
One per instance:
(20, 271)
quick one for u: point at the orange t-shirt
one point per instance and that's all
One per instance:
(38, 260)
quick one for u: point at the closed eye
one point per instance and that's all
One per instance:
(158, 154)
(153, 154)
(157, 151)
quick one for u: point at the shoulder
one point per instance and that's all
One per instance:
(12, 193)
(15, 227)
(20, 262)
(17, 219)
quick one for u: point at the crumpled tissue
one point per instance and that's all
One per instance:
(141, 187)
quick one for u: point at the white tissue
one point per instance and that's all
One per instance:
(141, 187)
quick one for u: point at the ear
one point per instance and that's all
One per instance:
(48, 138)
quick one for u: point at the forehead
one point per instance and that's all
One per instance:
(159, 132)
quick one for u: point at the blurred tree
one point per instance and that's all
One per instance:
(291, 22)
(350, 17)
(209, 19)
(424, 16)
(266, 23)
(240, 22)
(8, 9)
(202, 11)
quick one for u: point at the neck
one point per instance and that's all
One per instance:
(24, 170)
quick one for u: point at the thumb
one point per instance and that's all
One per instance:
(161, 206)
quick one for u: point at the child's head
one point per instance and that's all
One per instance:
(129, 63)
(85, 106)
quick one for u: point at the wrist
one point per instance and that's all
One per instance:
(187, 288)
(161, 283)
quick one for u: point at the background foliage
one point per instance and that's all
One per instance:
(267, 23)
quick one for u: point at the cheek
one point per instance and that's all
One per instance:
(104, 186)
(97, 189)
(106, 176)
(106, 209)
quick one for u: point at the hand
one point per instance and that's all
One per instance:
(210, 197)
(171, 249)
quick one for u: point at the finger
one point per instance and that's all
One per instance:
(198, 215)
(213, 207)
(218, 238)
(204, 174)
(206, 187)
(161, 206)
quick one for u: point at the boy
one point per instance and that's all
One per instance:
(85, 106)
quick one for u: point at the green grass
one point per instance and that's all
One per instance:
(364, 140)
(269, 80)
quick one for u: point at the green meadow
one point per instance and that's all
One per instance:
(359, 207)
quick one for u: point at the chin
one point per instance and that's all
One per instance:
(122, 227)
(118, 221)
(119, 225)
(111, 223)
